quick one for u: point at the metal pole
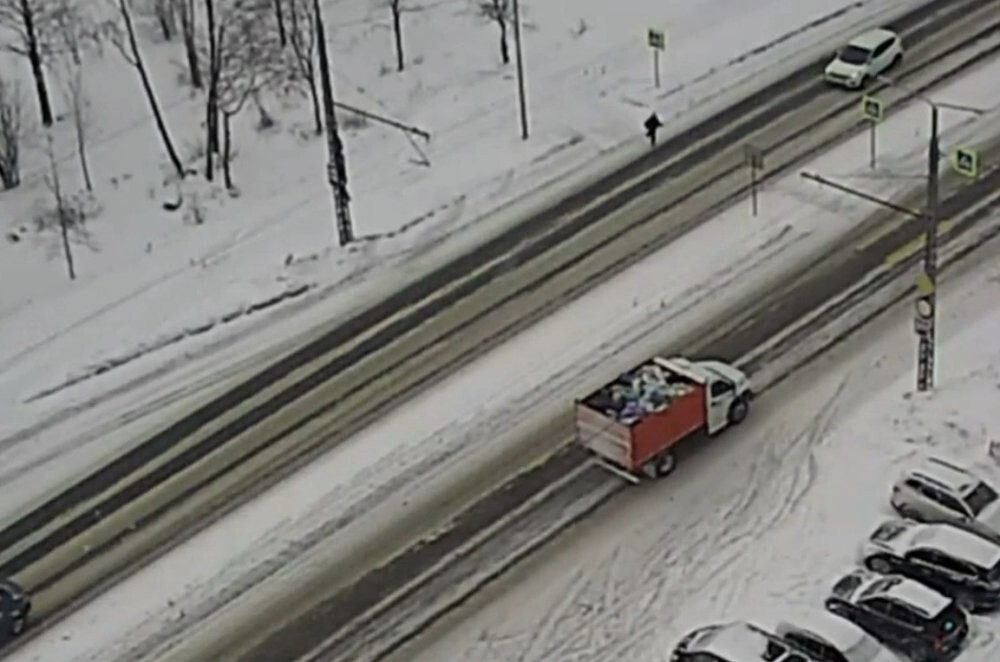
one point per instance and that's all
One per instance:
(926, 350)
(336, 169)
(656, 67)
(871, 156)
(753, 186)
(522, 100)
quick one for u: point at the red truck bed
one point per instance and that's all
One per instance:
(628, 432)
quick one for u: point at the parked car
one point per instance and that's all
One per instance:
(736, 642)
(14, 608)
(955, 562)
(830, 638)
(935, 490)
(865, 57)
(902, 613)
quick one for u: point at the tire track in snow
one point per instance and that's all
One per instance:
(676, 560)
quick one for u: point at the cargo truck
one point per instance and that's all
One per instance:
(632, 424)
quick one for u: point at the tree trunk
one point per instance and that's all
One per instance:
(314, 97)
(397, 27)
(190, 46)
(147, 85)
(211, 104)
(227, 142)
(279, 16)
(60, 207)
(504, 51)
(35, 59)
(165, 18)
(76, 96)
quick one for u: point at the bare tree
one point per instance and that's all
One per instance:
(123, 37)
(302, 38)
(25, 18)
(499, 11)
(186, 14)
(249, 61)
(11, 128)
(211, 100)
(397, 29)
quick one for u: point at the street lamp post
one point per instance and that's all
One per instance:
(925, 314)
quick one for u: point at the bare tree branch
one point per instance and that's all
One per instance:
(501, 13)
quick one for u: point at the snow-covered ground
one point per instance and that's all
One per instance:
(466, 420)
(762, 523)
(149, 279)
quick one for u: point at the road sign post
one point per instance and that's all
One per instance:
(873, 111)
(657, 40)
(965, 161)
(753, 156)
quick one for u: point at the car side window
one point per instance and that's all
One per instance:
(878, 606)
(903, 614)
(951, 503)
(956, 566)
(880, 49)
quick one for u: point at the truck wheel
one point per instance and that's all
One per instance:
(738, 411)
(665, 464)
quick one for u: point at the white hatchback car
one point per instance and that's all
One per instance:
(935, 490)
(830, 637)
(865, 57)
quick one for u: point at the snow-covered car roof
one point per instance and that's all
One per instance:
(901, 536)
(944, 473)
(734, 642)
(872, 38)
(861, 584)
(838, 631)
(926, 600)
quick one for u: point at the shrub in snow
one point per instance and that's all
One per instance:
(77, 209)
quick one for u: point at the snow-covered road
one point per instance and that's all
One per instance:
(444, 431)
(762, 522)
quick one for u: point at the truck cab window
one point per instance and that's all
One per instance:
(721, 388)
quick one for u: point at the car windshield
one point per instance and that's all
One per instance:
(854, 55)
(979, 497)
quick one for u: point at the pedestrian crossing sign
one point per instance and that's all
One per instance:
(966, 162)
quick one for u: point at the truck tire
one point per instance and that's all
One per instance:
(663, 465)
(738, 411)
